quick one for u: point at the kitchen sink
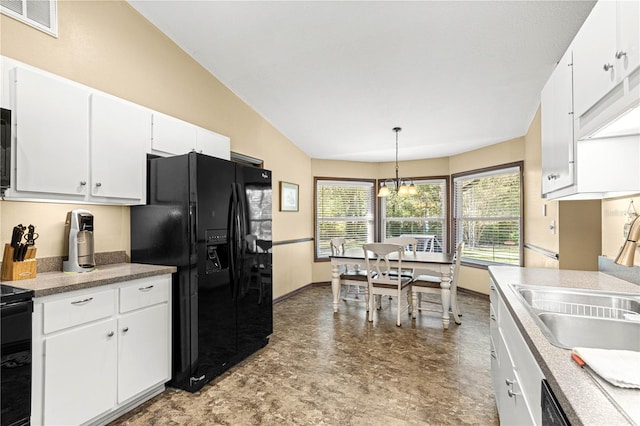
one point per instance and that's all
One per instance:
(570, 331)
(584, 318)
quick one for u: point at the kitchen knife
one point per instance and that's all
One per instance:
(22, 252)
(18, 231)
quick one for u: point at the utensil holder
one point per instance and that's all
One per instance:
(14, 270)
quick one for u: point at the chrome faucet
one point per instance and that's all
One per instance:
(628, 250)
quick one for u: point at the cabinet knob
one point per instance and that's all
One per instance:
(553, 176)
(512, 393)
(83, 182)
(607, 67)
(98, 184)
(509, 382)
(493, 354)
(110, 334)
(82, 302)
(124, 330)
(493, 317)
(620, 54)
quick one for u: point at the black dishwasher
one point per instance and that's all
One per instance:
(552, 413)
(16, 309)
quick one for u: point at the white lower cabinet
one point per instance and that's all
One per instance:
(99, 352)
(516, 376)
(80, 374)
(142, 350)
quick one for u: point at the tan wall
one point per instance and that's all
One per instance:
(500, 153)
(108, 46)
(111, 225)
(580, 236)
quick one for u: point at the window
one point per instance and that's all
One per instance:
(487, 214)
(422, 216)
(344, 209)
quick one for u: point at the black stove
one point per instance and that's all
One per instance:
(10, 294)
(16, 308)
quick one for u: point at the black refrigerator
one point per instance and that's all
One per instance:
(212, 219)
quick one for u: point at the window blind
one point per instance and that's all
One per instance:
(486, 215)
(344, 209)
(422, 215)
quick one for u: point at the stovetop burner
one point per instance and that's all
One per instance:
(9, 293)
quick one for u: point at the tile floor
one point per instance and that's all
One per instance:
(326, 369)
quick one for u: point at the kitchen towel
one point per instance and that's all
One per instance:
(618, 367)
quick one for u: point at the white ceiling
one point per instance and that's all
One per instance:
(336, 76)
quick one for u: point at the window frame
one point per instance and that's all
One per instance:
(374, 209)
(474, 263)
(446, 234)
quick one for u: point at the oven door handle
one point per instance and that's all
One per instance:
(16, 308)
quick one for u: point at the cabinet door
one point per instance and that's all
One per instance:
(557, 128)
(80, 374)
(513, 403)
(120, 134)
(171, 135)
(594, 48)
(628, 51)
(212, 144)
(52, 133)
(144, 350)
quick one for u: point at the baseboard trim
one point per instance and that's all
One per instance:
(473, 293)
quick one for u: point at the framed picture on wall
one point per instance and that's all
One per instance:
(288, 197)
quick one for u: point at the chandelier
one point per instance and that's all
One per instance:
(400, 186)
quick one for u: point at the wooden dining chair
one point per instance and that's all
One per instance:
(352, 277)
(430, 284)
(381, 283)
(409, 244)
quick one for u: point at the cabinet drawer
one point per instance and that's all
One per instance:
(493, 293)
(83, 308)
(145, 292)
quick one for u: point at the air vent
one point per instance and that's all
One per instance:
(40, 14)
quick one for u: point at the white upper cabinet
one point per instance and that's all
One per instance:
(594, 51)
(52, 128)
(588, 159)
(557, 128)
(628, 36)
(213, 144)
(120, 131)
(72, 143)
(606, 55)
(171, 135)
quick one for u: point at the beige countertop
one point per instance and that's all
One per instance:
(583, 400)
(48, 283)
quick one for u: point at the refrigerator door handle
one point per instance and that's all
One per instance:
(194, 233)
(243, 232)
(232, 241)
(238, 241)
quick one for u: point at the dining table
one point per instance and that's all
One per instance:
(422, 263)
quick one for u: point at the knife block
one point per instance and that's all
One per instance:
(13, 270)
